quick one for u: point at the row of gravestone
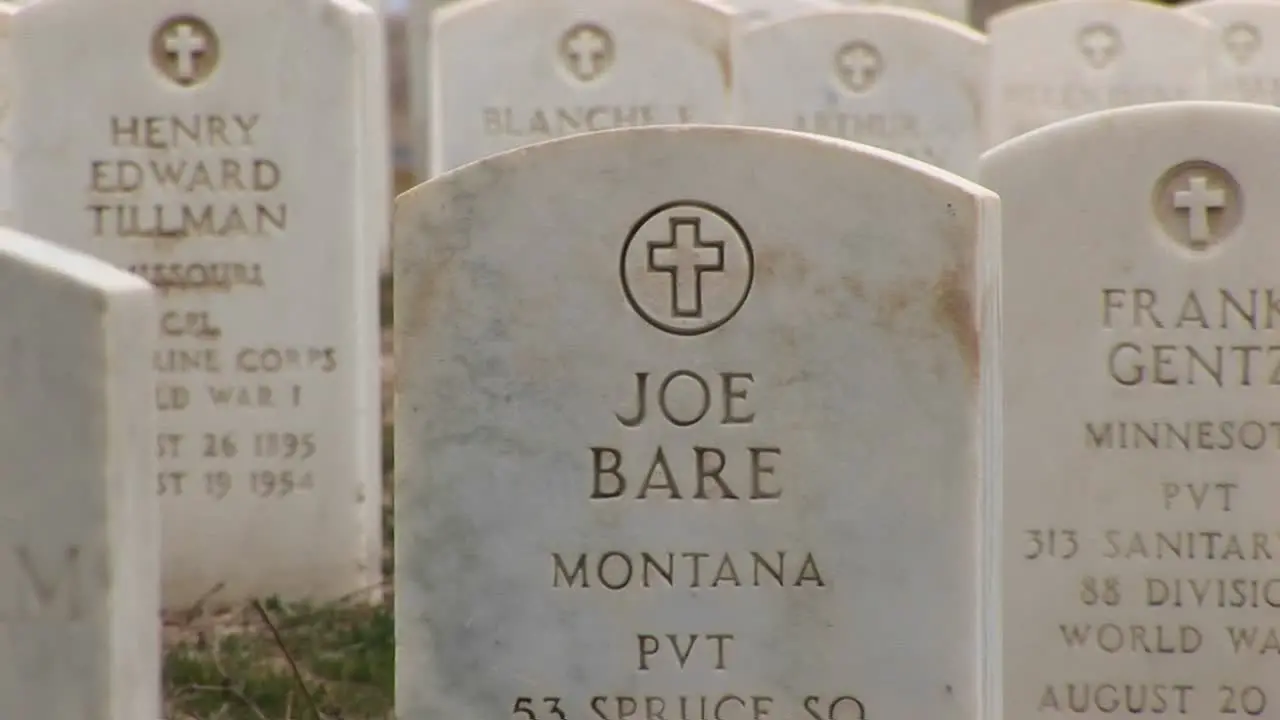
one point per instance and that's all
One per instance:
(235, 156)
(504, 73)
(681, 440)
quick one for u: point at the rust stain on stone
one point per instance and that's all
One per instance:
(766, 263)
(724, 59)
(953, 310)
(891, 302)
(780, 264)
(424, 288)
(855, 287)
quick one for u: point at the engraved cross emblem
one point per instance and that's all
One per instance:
(1100, 44)
(858, 65)
(1198, 200)
(685, 257)
(587, 51)
(1241, 40)
(184, 43)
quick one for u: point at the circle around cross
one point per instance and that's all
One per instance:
(686, 267)
(858, 65)
(586, 51)
(185, 50)
(1198, 204)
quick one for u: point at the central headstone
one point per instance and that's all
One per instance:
(225, 152)
(1141, 435)
(696, 438)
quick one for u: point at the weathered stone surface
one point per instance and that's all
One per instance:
(1247, 49)
(225, 151)
(902, 80)
(1056, 59)
(1140, 431)
(79, 555)
(506, 73)
(692, 436)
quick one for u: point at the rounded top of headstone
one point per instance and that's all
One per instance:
(450, 11)
(1199, 5)
(1186, 117)
(1185, 175)
(1222, 9)
(884, 14)
(43, 7)
(1035, 12)
(655, 143)
(636, 200)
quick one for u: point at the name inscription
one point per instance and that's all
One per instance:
(1074, 98)
(1251, 88)
(704, 472)
(1145, 355)
(560, 121)
(896, 131)
(225, 192)
(1152, 579)
(174, 181)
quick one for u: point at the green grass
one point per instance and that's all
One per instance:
(234, 668)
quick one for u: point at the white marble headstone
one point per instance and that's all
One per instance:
(698, 435)
(418, 40)
(6, 157)
(902, 80)
(1056, 59)
(1247, 42)
(79, 555)
(506, 73)
(1140, 429)
(225, 152)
